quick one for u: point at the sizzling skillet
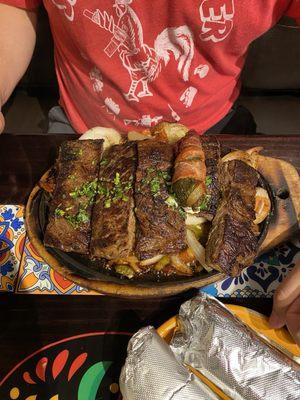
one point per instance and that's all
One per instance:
(91, 274)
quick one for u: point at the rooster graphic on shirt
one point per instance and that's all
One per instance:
(142, 61)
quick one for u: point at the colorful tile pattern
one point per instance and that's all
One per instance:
(12, 236)
(262, 278)
(36, 277)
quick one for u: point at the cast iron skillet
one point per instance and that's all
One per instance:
(91, 274)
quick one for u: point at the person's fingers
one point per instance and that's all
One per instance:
(2, 122)
(285, 295)
(293, 320)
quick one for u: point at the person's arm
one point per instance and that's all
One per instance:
(286, 304)
(17, 41)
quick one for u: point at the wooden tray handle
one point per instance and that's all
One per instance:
(285, 184)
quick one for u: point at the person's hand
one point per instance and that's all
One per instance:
(286, 304)
(2, 122)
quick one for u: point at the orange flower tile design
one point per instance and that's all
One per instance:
(37, 277)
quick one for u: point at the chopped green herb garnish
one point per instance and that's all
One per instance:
(155, 185)
(171, 202)
(103, 190)
(204, 204)
(107, 203)
(59, 212)
(117, 180)
(81, 217)
(182, 212)
(88, 189)
(208, 180)
(104, 161)
(74, 194)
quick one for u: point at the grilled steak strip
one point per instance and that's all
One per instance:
(233, 238)
(69, 226)
(212, 151)
(160, 227)
(113, 226)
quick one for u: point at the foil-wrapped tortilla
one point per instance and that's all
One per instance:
(227, 352)
(152, 372)
(213, 341)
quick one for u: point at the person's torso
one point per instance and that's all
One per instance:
(132, 63)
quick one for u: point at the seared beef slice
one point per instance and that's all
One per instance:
(160, 227)
(212, 151)
(69, 226)
(233, 239)
(113, 226)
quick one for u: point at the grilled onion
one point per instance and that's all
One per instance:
(197, 249)
(109, 135)
(194, 220)
(262, 205)
(150, 261)
(182, 260)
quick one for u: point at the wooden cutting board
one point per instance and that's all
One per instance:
(284, 181)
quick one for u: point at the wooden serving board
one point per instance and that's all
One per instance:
(284, 223)
(284, 181)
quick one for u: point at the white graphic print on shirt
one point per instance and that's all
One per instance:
(146, 121)
(174, 114)
(111, 107)
(217, 18)
(201, 70)
(127, 40)
(188, 96)
(97, 80)
(67, 6)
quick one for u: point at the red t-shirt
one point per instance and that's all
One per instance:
(129, 64)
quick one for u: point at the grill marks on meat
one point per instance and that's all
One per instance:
(113, 226)
(212, 152)
(128, 190)
(233, 238)
(160, 228)
(69, 227)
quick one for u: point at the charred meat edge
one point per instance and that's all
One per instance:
(69, 226)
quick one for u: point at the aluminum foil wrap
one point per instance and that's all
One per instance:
(243, 365)
(151, 372)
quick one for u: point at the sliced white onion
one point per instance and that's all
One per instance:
(262, 205)
(190, 210)
(109, 135)
(194, 220)
(197, 249)
(150, 261)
